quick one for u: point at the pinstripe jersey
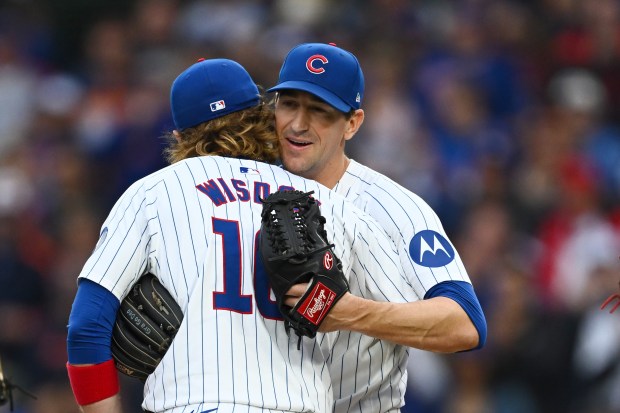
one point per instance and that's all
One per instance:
(194, 225)
(370, 375)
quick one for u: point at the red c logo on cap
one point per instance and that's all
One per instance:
(310, 64)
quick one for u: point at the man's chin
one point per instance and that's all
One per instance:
(295, 167)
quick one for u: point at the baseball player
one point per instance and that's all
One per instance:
(318, 109)
(194, 225)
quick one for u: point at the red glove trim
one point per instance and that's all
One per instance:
(91, 384)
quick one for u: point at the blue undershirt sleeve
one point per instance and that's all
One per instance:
(463, 293)
(90, 324)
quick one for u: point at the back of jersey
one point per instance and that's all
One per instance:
(195, 226)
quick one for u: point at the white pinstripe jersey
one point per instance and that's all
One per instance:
(370, 375)
(194, 225)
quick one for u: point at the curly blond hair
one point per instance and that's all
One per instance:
(248, 133)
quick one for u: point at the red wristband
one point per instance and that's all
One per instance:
(91, 384)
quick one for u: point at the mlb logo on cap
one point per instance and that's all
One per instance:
(326, 71)
(219, 105)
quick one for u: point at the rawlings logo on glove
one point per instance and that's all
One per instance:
(317, 304)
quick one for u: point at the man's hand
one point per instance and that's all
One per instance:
(294, 294)
(339, 318)
(422, 324)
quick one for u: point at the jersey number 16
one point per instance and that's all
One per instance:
(231, 298)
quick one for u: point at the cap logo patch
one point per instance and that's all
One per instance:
(316, 67)
(358, 98)
(219, 105)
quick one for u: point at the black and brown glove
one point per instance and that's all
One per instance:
(146, 322)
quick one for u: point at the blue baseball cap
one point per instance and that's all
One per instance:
(210, 89)
(326, 71)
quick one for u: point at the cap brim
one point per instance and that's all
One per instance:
(315, 90)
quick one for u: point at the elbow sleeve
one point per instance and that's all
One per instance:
(90, 324)
(463, 293)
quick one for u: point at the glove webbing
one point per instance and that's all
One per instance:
(277, 239)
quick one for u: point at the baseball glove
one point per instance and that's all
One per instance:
(145, 325)
(294, 249)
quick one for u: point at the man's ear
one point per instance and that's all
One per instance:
(353, 124)
(177, 135)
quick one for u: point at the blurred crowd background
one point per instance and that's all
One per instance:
(503, 115)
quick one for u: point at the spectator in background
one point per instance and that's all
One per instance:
(392, 137)
(467, 92)
(578, 240)
(472, 154)
(22, 296)
(581, 102)
(591, 39)
(578, 237)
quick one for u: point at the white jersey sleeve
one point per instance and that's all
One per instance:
(427, 255)
(194, 225)
(370, 375)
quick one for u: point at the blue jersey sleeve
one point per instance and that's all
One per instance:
(463, 293)
(90, 324)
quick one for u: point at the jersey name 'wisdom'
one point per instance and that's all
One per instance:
(221, 191)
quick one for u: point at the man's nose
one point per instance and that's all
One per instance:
(300, 121)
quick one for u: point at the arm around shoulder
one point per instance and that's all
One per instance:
(438, 323)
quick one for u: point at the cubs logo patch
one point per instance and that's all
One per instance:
(313, 64)
(430, 249)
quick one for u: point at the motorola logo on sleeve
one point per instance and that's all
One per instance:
(430, 249)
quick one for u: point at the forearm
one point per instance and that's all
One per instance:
(438, 324)
(109, 405)
(91, 370)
